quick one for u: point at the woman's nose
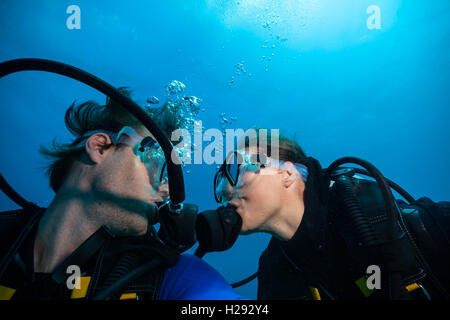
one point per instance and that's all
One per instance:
(234, 202)
(230, 193)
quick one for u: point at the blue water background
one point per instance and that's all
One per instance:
(340, 87)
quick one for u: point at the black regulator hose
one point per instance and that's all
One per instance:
(391, 183)
(174, 171)
(125, 265)
(391, 207)
(244, 281)
(14, 196)
(122, 282)
(361, 223)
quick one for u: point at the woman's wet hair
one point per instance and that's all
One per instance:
(285, 149)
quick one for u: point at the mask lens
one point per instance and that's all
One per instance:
(148, 142)
(218, 181)
(150, 153)
(233, 169)
(227, 178)
(155, 163)
(236, 174)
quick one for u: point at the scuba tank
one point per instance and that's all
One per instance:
(406, 238)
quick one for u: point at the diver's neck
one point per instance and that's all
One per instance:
(287, 221)
(63, 228)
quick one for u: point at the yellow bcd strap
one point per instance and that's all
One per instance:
(84, 285)
(6, 293)
(361, 283)
(82, 291)
(315, 293)
(412, 287)
(128, 296)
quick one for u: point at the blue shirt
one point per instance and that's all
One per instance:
(194, 279)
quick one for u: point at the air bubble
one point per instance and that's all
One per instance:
(175, 87)
(153, 100)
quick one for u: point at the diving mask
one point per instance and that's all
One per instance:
(239, 170)
(146, 149)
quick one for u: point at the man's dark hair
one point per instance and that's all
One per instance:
(88, 116)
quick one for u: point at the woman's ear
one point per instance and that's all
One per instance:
(96, 147)
(288, 174)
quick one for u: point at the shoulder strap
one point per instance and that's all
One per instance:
(10, 253)
(82, 254)
(129, 260)
(428, 222)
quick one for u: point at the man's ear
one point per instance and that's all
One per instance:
(97, 146)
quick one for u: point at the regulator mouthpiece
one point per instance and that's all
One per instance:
(217, 230)
(177, 228)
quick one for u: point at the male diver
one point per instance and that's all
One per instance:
(107, 184)
(333, 234)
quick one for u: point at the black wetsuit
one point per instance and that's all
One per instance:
(102, 259)
(317, 256)
(160, 272)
